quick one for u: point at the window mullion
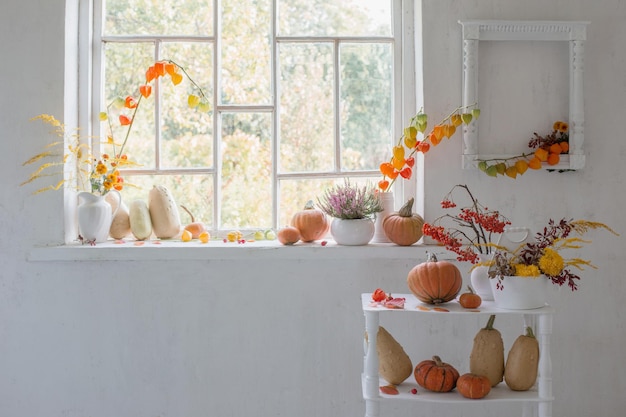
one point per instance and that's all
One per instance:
(337, 100)
(217, 114)
(275, 115)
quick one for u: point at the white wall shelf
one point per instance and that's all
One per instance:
(575, 33)
(536, 402)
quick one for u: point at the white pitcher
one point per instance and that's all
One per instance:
(95, 216)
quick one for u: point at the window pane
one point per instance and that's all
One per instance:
(246, 52)
(366, 106)
(190, 190)
(334, 18)
(145, 17)
(306, 108)
(187, 134)
(124, 73)
(294, 194)
(246, 171)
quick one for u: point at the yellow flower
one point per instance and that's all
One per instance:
(551, 263)
(522, 270)
(101, 168)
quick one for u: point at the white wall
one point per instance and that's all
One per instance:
(268, 338)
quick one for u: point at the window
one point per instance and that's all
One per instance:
(301, 94)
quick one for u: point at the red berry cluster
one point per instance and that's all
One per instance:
(491, 221)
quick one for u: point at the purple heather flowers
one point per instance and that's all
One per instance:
(349, 201)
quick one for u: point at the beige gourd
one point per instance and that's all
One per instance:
(487, 357)
(164, 213)
(394, 365)
(139, 217)
(120, 225)
(522, 362)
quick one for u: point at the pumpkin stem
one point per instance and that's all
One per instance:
(407, 208)
(431, 257)
(469, 288)
(529, 332)
(489, 325)
(188, 212)
(437, 360)
(309, 205)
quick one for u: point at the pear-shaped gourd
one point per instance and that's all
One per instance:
(522, 363)
(487, 357)
(394, 365)
(120, 225)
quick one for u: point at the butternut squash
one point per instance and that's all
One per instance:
(394, 365)
(120, 225)
(487, 357)
(139, 217)
(522, 363)
(164, 213)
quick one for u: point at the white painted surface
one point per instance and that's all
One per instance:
(265, 337)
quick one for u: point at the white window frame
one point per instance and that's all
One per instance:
(406, 14)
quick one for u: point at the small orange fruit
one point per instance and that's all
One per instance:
(553, 158)
(564, 147)
(555, 148)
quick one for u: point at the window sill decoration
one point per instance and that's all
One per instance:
(95, 173)
(574, 33)
(545, 151)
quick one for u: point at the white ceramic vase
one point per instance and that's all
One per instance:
(352, 232)
(480, 280)
(95, 216)
(520, 293)
(388, 208)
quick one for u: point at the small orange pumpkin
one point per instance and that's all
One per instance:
(473, 386)
(470, 299)
(404, 228)
(435, 282)
(288, 235)
(311, 222)
(436, 375)
(195, 228)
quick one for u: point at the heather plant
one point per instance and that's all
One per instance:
(348, 201)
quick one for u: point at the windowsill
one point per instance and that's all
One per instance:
(264, 250)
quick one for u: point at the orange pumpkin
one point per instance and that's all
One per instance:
(435, 282)
(404, 228)
(311, 222)
(436, 375)
(473, 386)
(195, 228)
(288, 235)
(470, 299)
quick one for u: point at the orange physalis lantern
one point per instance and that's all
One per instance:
(130, 102)
(150, 74)
(159, 67)
(145, 90)
(124, 120)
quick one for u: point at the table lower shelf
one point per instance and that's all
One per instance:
(499, 393)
